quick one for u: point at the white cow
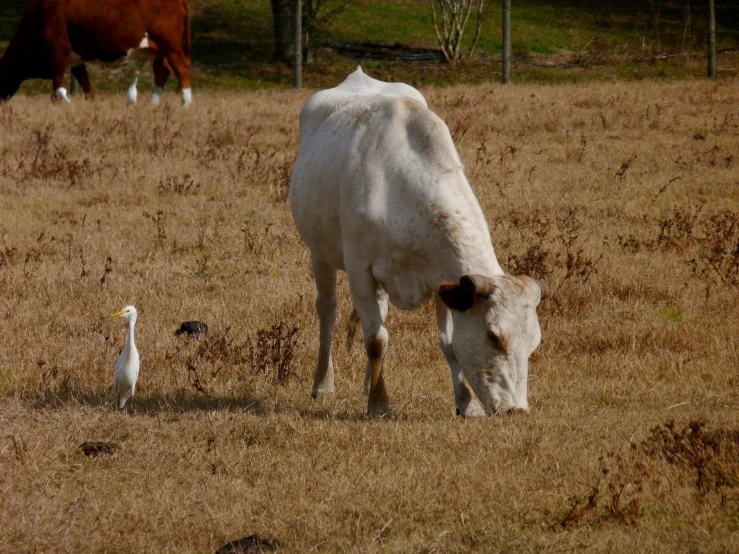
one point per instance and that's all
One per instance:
(378, 190)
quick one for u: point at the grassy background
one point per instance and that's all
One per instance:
(570, 41)
(623, 196)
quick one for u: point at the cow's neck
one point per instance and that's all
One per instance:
(465, 243)
(470, 252)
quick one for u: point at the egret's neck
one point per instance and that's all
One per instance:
(131, 325)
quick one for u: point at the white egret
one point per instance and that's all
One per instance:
(132, 93)
(127, 366)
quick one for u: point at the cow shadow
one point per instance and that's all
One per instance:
(183, 401)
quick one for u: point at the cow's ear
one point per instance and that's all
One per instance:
(456, 297)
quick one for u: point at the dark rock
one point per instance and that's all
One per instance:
(96, 448)
(245, 545)
(191, 328)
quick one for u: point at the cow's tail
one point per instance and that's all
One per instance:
(351, 328)
(186, 34)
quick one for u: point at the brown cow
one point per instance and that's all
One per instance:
(56, 34)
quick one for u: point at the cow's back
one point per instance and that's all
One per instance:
(357, 85)
(378, 182)
(94, 30)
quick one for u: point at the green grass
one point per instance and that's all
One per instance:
(673, 314)
(233, 43)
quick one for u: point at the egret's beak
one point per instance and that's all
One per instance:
(119, 313)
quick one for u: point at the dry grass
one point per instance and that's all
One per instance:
(623, 196)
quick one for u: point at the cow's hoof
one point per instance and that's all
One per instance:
(378, 412)
(61, 94)
(378, 403)
(321, 392)
(473, 409)
(186, 97)
(323, 382)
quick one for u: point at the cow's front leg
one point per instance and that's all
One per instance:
(59, 92)
(467, 404)
(382, 300)
(325, 278)
(58, 48)
(370, 301)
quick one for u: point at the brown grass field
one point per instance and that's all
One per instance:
(624, 197)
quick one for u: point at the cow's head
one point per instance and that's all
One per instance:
(10, 82)
(495, 332)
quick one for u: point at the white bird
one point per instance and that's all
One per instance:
(127, 366)
(132, 93)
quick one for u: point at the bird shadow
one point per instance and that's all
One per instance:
(177, 402)
(183, 401)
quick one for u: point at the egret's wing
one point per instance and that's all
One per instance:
(118, 379)
(124, 396)
(120, 362)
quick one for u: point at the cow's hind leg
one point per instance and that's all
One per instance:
(80, 73)
(181, 66)
(325, 277)
(161, 74)
(467, 404)
(370, 301)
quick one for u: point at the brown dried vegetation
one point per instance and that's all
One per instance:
(669, 455)
(623, 197)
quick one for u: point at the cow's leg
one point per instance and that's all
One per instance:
(467, 404)
(80, 73)
(161, 74)
(57, 80)
(368, 298)
(181, 67)
(382, 299)
(325, 277)
(58, 48)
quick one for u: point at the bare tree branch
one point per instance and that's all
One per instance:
(453, 16)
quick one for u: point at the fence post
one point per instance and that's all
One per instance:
(298, 50)
(506, 41)
(711, 39)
